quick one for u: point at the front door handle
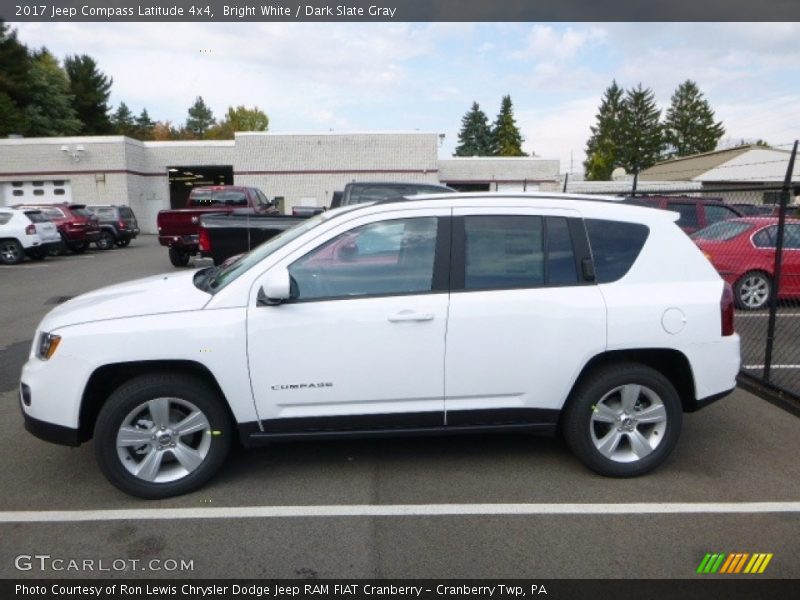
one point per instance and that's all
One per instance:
(410, 315)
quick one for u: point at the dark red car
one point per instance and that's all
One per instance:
(743, 251)
(695, 213)
(76, 224)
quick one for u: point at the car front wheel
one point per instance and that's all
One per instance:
(162, 435)
(623, 420)
(753, 290)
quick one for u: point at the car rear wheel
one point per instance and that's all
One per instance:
(162, 435)
(178, 256)
(623, 420)
(123, 242)
(106, 241)
(11, 252)
(753, 290)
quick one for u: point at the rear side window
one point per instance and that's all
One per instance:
(687, 212)
(36, 216)
(715, 213)
(125, 212)
(507, 252)
(105, 214)
(218, 198)
(766, 238)
(615, 247)
(82, 212)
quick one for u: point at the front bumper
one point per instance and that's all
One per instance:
(49, 432)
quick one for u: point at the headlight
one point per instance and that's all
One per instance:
(47, 345)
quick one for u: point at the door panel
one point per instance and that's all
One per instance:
(362, 344)
(513, 353)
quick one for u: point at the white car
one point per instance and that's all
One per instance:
(25, 232)
(450, 313)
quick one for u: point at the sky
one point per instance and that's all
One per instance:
(311, 77)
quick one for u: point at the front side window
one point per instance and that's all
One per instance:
(383, 258)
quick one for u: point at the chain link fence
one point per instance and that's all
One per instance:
(749, 228)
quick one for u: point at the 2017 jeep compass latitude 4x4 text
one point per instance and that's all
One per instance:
(451, 313)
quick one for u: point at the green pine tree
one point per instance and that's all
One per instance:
(602, 147)
(123, 122)
(50, 111)
(475, 137)
(201, 119)
(689, 126)
(642, 136)
(144, 126)
(90, 89)
(506, 138)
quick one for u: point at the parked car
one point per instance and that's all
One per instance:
(761, 210)
(743, 251)
(695, 213)
(178, 228)
(226, 235)
(359, 192)
(559, 316)
(118, 225)
(77, 226)
(25, 232)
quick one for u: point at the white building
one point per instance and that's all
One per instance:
(303, 168)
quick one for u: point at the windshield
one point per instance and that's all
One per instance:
(721, 231)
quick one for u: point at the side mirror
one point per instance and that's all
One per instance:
(276, 288)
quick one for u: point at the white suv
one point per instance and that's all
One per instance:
(451, 313)
(25, 232)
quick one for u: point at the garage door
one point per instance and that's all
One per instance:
(29, 192)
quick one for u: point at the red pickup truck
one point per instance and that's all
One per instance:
(178, 228)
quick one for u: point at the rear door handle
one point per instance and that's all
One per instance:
(410, 315)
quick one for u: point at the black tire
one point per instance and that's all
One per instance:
(123, 242)
(11, 252)
(133, 396)
(593, 397)
(753, 290)
(178, 256)
(106, 240)
(57, 250)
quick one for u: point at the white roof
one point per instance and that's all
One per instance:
(753, 166)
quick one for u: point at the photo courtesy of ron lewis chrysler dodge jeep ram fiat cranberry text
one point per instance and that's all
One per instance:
(449, 313)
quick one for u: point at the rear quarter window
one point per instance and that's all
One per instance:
(615, 247)
(4, 218)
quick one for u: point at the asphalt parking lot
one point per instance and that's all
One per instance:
(480, 507)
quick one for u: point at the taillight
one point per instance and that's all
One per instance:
(205, 241)
(726, 309)
(30, 229)
(121, 224)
